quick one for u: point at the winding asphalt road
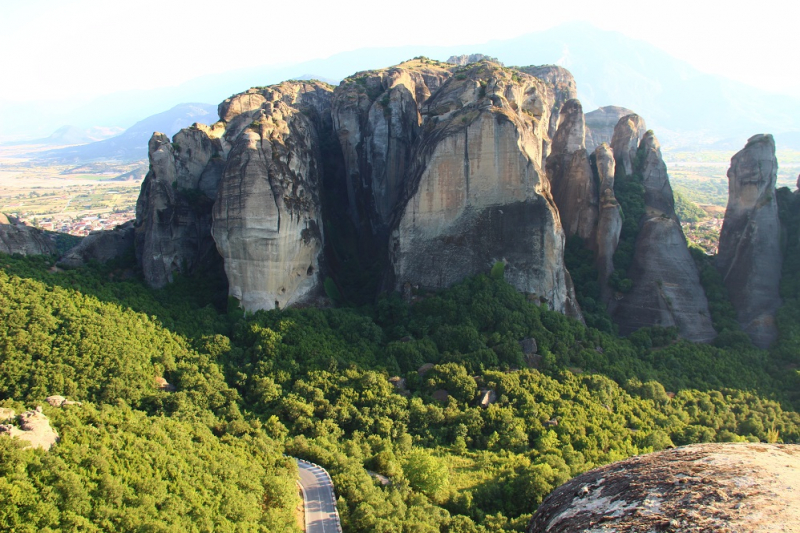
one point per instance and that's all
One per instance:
(320, 503)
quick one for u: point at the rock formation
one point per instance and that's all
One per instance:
(101, 246)
(17, 238)
(703, 487)
(428, 173)
(34, 429)
(749, 257)
(562, 84)
(609, 220)
(625, 141)
(476, 192)
(377, 119)
(600, 125)
(267, 216)
(666, 284)
(173, 212)
(465, 59)
(571, 179)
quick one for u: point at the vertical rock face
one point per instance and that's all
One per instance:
(600, 125)
(749, 256)
(666, 285)
(625, 141)
(476, 193)
(658, 197)
(609, 220)
(376, 118)
(562, 84)
(573, 184)
(267, 216)
(173, 212)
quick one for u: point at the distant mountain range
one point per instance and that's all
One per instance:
(132, 143)
(686, 107)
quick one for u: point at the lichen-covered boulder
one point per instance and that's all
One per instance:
(703, 487)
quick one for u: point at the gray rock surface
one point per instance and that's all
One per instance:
(571, 180)
(666, 284)
(477, 194)
(173, 215)
(267, 216)
(563, 87)
(703, 487)
(377, 119)
(465, 59)
(609, 220)
(658, 197)
(625, 141)
(101, 246)
(749, 257)
(600, 125)
(17, 238)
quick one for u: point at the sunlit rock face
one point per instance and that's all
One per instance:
(377, 120)
(625, 141)
(562, 87)
(666, 284)
(267, 215)
(609, 219)
(702, 487)
(749, 257)
(571, 179)
(600, 125)
(477, 193)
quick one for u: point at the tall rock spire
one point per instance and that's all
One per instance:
(609, 220)
(749, 256)
(625, 141)
(666, 284)
(571, 180)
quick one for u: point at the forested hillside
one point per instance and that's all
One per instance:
(314, 383)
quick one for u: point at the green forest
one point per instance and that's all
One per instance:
(252, 389)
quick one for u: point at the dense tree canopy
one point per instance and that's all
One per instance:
(315, 383)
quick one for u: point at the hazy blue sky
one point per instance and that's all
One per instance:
(57, 49)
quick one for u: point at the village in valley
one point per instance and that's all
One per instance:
(64, 198)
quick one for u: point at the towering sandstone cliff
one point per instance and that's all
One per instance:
(562, 84)
(476, 193)
(245, 189)
(377, 119)
(267, 215)
(573, 185)
(749, 256)
(173, 212)
(666, 284)
(609, 219)
(625, 141)
(426, 173)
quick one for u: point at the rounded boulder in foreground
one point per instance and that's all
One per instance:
(703, 487)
